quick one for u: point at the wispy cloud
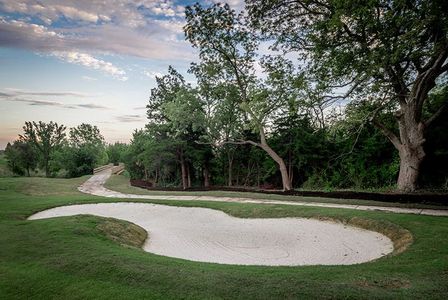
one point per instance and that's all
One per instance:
(16, 92)
(91, 62)
(88, 78)
(130, 118)
(18, 96)
(152, 74)
(92, 106)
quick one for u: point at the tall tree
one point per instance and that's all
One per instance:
(385, 52)
(174, 111)
(225, 43)
(46, 137)
(86, 134)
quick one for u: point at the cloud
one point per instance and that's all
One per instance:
(15, 92)
(89, 61)
(88, 78)
(35, 102)
(130, 118)
(124, 27)
(17, 96)
(152, 74)
(92, 106)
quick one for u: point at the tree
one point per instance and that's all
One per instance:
(116, 152)
(175, 119)
(227, 45)
(21, 157)
(46, 138)
(86, 134)
(384, 52)
(85, 150)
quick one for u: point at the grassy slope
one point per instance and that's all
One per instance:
(76, 258)
(121, 184)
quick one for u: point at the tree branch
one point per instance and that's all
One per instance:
(242, 142)
(388, 133)
(437, 114)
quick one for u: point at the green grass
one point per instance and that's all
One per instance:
(86, 257)
(121, 184)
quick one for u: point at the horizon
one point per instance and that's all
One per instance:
(87, 62)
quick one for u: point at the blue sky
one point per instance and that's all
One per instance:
(89, 61)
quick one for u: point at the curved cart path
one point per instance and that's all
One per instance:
(95, 186)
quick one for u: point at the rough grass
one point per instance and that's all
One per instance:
(121, 184)
(86, 257)
(122, 232)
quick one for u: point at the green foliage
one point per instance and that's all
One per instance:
(46, 138)
(116, 152)
(21, 157)
(85, 150)
(45, 144)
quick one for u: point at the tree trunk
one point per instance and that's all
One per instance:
(47, 167)
(409, 145)
(206, 174)
(281, 163)
(188, 175)
(230, 167)
(290, 167)
(183, 170)
(412, 153)
(410, 162)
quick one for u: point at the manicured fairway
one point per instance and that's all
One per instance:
(89, 257)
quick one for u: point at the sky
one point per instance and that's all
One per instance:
(87, 61)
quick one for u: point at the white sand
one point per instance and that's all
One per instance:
(208, 235)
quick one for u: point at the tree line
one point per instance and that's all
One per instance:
(359, 106)
(46, 146)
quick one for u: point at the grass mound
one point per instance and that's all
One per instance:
(122, 232)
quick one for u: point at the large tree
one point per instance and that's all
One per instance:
(45, 137)
(227, 46)
(175, 113)
(390, 53)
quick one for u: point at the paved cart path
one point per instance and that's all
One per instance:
(95, 186)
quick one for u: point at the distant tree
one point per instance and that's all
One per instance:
(22, 157)
(85, 150)
(86, 134)
(46, 138)
(390, 53)
(116, 152)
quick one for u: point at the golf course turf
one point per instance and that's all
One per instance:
(90, 257)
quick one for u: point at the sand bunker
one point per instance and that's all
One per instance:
(208, 235)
